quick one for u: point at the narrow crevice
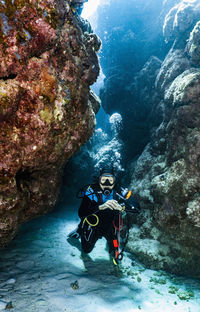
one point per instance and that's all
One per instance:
(11, 76)
(22, 178)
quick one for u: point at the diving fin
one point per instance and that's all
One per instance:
(74, 234)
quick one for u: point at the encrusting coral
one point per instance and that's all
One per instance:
(47, 110)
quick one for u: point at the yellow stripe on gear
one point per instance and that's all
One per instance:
(86, 220)
(115, 263)
(123, 208)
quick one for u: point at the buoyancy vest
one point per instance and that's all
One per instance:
(98, 196)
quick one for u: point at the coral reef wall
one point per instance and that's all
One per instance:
(167, 174)
(47, 110)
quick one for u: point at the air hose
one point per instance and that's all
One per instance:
(88, 222)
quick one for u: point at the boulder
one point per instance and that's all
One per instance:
(185, 89)
(193, 45)
(180, 20)
(174, 64)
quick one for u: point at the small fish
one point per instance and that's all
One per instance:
(75, 285)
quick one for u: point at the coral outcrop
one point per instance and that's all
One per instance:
(167, 174)
(47, 110)
(180, 20)
(193, 48)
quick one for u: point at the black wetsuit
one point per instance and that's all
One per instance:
(106, 219)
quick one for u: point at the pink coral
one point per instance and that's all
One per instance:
(45, 73)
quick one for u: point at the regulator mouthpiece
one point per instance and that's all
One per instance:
(106, 192)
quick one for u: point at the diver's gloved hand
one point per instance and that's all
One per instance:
(117, 206)
(111, 204)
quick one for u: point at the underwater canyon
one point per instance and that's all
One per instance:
(148, 127)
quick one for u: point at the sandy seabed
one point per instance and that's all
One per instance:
(40, 271)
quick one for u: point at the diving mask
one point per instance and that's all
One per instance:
(107, 180)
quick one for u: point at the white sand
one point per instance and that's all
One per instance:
(39, 269)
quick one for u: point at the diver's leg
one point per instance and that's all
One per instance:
(88, 239)
(110, 237)
(77, 232)
(112, 241)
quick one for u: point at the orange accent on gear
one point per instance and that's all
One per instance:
(115, 243)
(128, 195)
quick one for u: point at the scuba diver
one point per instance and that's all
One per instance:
(101, 212)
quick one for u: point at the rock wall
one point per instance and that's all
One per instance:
(47, 111)
(167, 174)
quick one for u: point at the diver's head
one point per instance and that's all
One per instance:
(106, 181)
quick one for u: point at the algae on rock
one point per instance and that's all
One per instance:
(47, 65)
